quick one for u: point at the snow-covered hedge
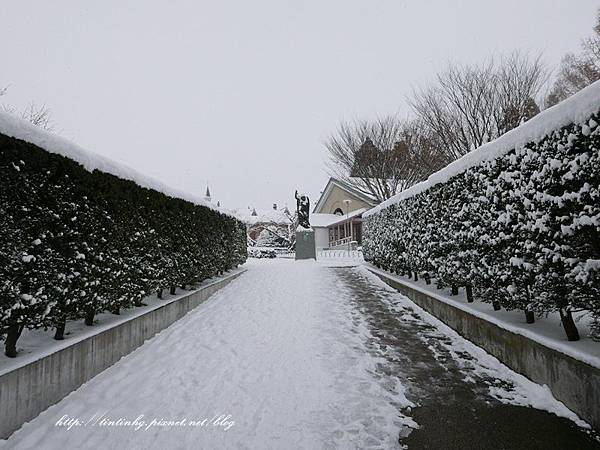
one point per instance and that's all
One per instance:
(519, 230)
(76, 241)
(262, 252)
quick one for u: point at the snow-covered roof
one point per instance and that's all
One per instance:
(346, 187)
(21, 129)
(575, 109)
(277, 216)
(321, 220)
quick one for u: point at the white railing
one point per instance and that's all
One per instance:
(289, 255)
(356, 255)
(339, 242)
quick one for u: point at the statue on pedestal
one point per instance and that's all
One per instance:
(305, 235)
(302, 208)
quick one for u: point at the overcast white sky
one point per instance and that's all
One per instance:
(242, 94)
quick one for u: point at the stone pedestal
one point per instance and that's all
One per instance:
(305, 243)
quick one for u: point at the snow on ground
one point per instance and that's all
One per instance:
(576, 109)
(274, 350)
(547, 330)
(509, 387)
(35, 344)
(279, 358)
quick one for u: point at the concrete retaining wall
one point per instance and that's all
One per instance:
(28, 390)
(573, 382)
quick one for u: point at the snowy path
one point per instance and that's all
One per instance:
(297, 355)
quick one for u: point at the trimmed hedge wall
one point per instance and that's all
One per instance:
(521, 231)
(74, 243)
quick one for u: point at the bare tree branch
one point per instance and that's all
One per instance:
(470, 105)
(38, 115)
(380, 157)
(578, 71)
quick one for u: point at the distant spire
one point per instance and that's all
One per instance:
(218, 204)
(254, 212)
(207, 195)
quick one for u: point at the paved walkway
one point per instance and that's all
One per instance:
(451, 382)
(295, 355)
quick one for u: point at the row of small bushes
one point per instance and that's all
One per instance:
(521, 231)
(261, 252)
(74, 243)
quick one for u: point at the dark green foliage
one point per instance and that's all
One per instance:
(75, 243)
(522, 230)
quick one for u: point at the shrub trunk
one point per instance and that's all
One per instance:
(569, 325)
(89, 316)
(59, 334)
(529, 316)
(12, 336)
(469, 290)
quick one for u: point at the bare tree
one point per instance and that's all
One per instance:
(578, 71)
(38, 115)
(5, 107)
(467, 107)
(380, 157)
(424, 149)
(518, 82)
(470, 105)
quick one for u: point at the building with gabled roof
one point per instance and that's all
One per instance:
(335, 192)
(337, 215)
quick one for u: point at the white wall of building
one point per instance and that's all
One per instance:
(321, 237)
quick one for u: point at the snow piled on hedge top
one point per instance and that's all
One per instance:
(576, 109)
(21, 129)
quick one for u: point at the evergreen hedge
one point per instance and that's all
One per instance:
(521, 231)
(74, 243)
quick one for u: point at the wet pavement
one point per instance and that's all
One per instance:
(454, 406)
(302, 355)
